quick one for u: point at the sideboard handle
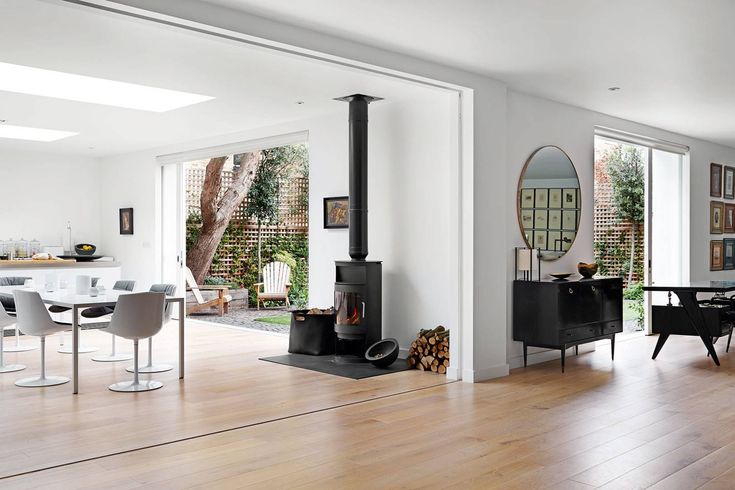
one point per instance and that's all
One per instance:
(571, 291)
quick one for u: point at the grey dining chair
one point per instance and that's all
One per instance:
(34, 319)
(101, 311)
(137, 316)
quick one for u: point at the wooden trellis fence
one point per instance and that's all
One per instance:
(293, 219)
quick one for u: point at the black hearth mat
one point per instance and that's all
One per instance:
(327, 365)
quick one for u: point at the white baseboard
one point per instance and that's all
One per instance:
(477, 375)
(547, 355)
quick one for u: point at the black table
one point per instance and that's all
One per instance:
(687, 294)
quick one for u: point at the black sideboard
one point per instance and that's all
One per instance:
(556, 314)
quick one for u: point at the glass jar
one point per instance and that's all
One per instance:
(21, 249)
(35, 247)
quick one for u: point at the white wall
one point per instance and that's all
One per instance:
(42, 191)
(535, 122)
(409, 225)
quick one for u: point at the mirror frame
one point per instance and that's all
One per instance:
(518, 199)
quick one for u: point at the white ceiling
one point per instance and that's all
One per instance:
(253, 87)
(672, 58)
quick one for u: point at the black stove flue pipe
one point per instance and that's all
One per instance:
(358, 128)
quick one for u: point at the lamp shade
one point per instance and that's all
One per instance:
(524, 259)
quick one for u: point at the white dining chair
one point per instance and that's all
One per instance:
(103, 311)
(169, 290)
(5, 322)
(9, 304)
(137, 316)
(34, 319)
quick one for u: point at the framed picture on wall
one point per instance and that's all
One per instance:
(570, 198)
(729, 184)
(539, 239)
(716, 255)
(569, 220)
(554, 241)
(126, 221)
(715, 180)
(542, 198)
(527, 218)
(540, 218)
(728, 245)
(567, 238)
(555, 219)
(715, 217)
(336, 212)
(526, 198)
(729, 218)
(554, 198)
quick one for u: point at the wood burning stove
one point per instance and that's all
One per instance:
(358, 283)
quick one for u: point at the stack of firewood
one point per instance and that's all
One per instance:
(430, 350)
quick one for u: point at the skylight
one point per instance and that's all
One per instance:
(47, 83)
(32, 134)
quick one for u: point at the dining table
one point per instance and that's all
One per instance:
(68, 298)
(687, 293)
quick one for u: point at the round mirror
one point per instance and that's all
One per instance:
(549, 202)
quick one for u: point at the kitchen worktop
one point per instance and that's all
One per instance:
(54, 264)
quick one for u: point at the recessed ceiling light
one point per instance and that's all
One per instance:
(32, 134)
(47, 83)
(299, 102)
(613, 89)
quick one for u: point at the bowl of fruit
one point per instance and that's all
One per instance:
(85, 249)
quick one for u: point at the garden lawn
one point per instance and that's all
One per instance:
(278, 320)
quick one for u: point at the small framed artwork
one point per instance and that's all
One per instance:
(336, 212)
(728, 245)
(539, 240)
(569, 220)
(126, 221)
(554, 238)
(715, 217)
(716, 255)
(570, 198)
(567, 238)
(715, 180)
(526, 198)
(542, 198)
(729, 218)
(554, 198)
(729, 184)
(540, 218)
(555, 219)
(527, 218)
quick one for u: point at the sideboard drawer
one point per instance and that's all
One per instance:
(579, 333)
(609, 328)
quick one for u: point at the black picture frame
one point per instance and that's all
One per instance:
(728, 183)
(127, 224)
(715, 180)
(336, 212)
(728, 246)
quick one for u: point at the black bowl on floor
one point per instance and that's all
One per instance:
(382, 353)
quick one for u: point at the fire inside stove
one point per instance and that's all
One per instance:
(348, 307)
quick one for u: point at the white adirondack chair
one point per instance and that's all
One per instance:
(220, 300)
(276, 283)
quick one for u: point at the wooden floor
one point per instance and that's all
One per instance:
(634, 423)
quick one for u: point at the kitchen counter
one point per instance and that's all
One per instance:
(54, 264)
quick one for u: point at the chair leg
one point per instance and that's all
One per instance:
(113, 356)
(150, 367)
(7, 368)
(42, 380)
(135, 385)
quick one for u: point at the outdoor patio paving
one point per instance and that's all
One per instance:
(245, 318)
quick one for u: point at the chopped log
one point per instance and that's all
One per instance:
(434, 369)
(441, 369)
(445, 363)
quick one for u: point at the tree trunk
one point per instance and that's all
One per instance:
(632, 253)
(217, 211)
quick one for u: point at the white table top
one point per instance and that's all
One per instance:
(68, 297)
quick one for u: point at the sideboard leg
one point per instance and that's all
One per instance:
(612, 347)
(525, 355)
(563, 356)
